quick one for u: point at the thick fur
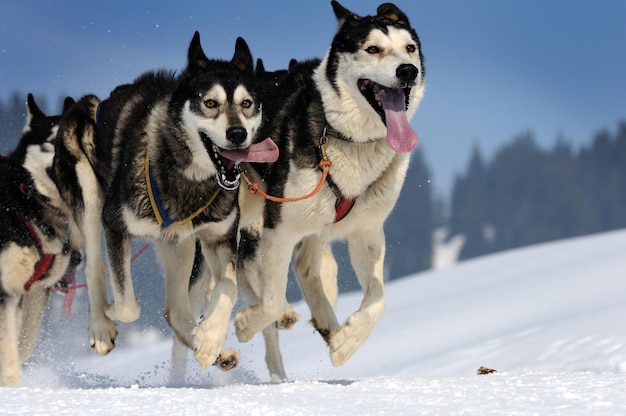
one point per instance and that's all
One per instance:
(178, 122)
(299, 105)
(33, 224)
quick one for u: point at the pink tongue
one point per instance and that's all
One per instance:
(264, 152)
(400, 136)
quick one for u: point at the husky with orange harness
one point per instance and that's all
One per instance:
(35, 246)
(159, 160)
(342, 127)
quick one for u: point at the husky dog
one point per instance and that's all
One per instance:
(159, 159)
(344, 139)
(35, 246)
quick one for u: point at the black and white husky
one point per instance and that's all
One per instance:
(35, 246)
(159, 159)
(344, 138)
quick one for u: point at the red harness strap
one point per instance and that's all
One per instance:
(343, 207)
(44, 263)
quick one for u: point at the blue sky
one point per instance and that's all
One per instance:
(495, 68)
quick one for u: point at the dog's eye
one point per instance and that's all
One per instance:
(372, 50)
(210, 104)
(411, 48)
(246, 103)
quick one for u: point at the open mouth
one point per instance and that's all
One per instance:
(227, 161)
(370, 91)
(228, 172)
(391, 104)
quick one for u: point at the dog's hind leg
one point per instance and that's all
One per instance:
(177, 263)
(178, 363)
(367, 254)
(316, 271)
(267, 268)
(10, 367)
(34, 304)
(125, 307)
(273, 358)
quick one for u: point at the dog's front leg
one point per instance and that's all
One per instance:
(34, 304)
(209, 336)
(367, 254)
(125, 307)
(10, 365)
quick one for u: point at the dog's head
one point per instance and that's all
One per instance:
(372, 77)
(221, 112)
(35, 150)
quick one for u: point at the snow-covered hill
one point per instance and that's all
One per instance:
(549, 318)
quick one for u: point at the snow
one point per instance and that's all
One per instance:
(549, 318)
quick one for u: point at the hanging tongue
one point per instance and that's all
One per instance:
(400, 136)
(264, 152)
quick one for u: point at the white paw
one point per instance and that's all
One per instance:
(124, 313)
(207, 343)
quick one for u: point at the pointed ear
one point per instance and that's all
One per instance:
(260, 68)
(342, 14)
(67, 103)
(242, 59)
(391, 12)
(292, 63)
(33, 109)
(196, 59)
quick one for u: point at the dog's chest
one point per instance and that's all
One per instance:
(356, 167)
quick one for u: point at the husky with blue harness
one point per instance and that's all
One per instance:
(159, 160)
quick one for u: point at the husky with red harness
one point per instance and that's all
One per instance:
(35, 246)
(342, 128)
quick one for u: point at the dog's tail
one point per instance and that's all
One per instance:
(75, 156)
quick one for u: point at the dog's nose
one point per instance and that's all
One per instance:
(236, 135)
(406, 73)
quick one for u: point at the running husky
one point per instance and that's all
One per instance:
(35, 245)
(159, 159)
(344, 139)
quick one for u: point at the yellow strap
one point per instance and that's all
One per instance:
(153, 203)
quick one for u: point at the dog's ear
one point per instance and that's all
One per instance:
(391, 12)
(67, 104)
(34, 112)
(196, 59)
(242, 59)
(342, 14)
(260, 68)
(292, 63)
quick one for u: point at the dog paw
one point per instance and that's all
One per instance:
(102, 336)
(289, 318)
(207, 342)
(244, 331)
(346, 340)
(227, 360)
(124, 313)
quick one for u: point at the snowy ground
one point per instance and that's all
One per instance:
(548, 318)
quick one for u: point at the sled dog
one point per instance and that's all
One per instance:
(342, 128)
(35, 246)
(160, 159)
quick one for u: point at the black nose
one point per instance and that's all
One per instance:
(236, 135)
(406, 73)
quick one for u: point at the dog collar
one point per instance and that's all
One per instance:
(161, 213)
(45, 259)
(332, 132)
